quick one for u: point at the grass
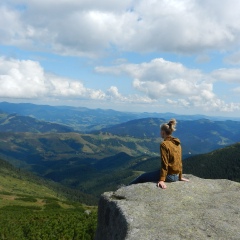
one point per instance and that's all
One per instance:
(11, 186)
(30, 210)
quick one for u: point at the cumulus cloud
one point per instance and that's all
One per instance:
(209, 104)
(27, 79)
(159, 78)
(113, 94)
(87, 27)
(227, 74)
(175, 84)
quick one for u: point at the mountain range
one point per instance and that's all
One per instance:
(197, 136)
(86, 120)
(102, 159)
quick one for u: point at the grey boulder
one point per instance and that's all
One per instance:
(199, 209)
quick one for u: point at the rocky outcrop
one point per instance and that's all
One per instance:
(199, 209)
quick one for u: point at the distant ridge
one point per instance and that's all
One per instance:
(17, 123)
(86, 120)
(197, 136)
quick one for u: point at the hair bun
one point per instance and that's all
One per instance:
(169, 127)
(172, 124)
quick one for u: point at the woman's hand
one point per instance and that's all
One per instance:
(184, 179)
(162, 185)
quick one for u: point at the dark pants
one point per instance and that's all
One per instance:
(154, 177)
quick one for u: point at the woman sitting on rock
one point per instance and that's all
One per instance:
(171, 159)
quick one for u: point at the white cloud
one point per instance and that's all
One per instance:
(173, 83)
(88, 27)
(159, 78)
(22, 79)
(27, 79)
(209, 105)
(113, 94)
(227, 75)
(178, 102)
(233, 59)
(156, 70)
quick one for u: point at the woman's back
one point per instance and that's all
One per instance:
(171, 156)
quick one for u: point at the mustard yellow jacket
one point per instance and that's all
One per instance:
(171, 157)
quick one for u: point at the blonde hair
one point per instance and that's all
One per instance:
(169, 127)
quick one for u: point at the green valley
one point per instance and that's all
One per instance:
(101, 161)
(29, 149)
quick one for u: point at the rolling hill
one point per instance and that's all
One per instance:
(108, 173)
(42, 150)
(15, 182)
(197, 136)
(75, 160)
(18, 181)
(91, 176)
(16, 123)
(30, 208)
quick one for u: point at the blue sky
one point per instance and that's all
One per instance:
(179, 56)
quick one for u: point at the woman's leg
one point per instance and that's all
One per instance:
(172, 178)
(147, 177)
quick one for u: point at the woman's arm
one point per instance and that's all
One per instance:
(164, 166)
(181, 178)
(164, 162)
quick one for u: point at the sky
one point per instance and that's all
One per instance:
(180, 56)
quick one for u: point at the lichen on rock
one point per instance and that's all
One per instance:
(199, 209)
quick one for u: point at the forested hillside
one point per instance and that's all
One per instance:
(222, 163)
(32, 208)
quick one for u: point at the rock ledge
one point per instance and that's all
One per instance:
(199, 209)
